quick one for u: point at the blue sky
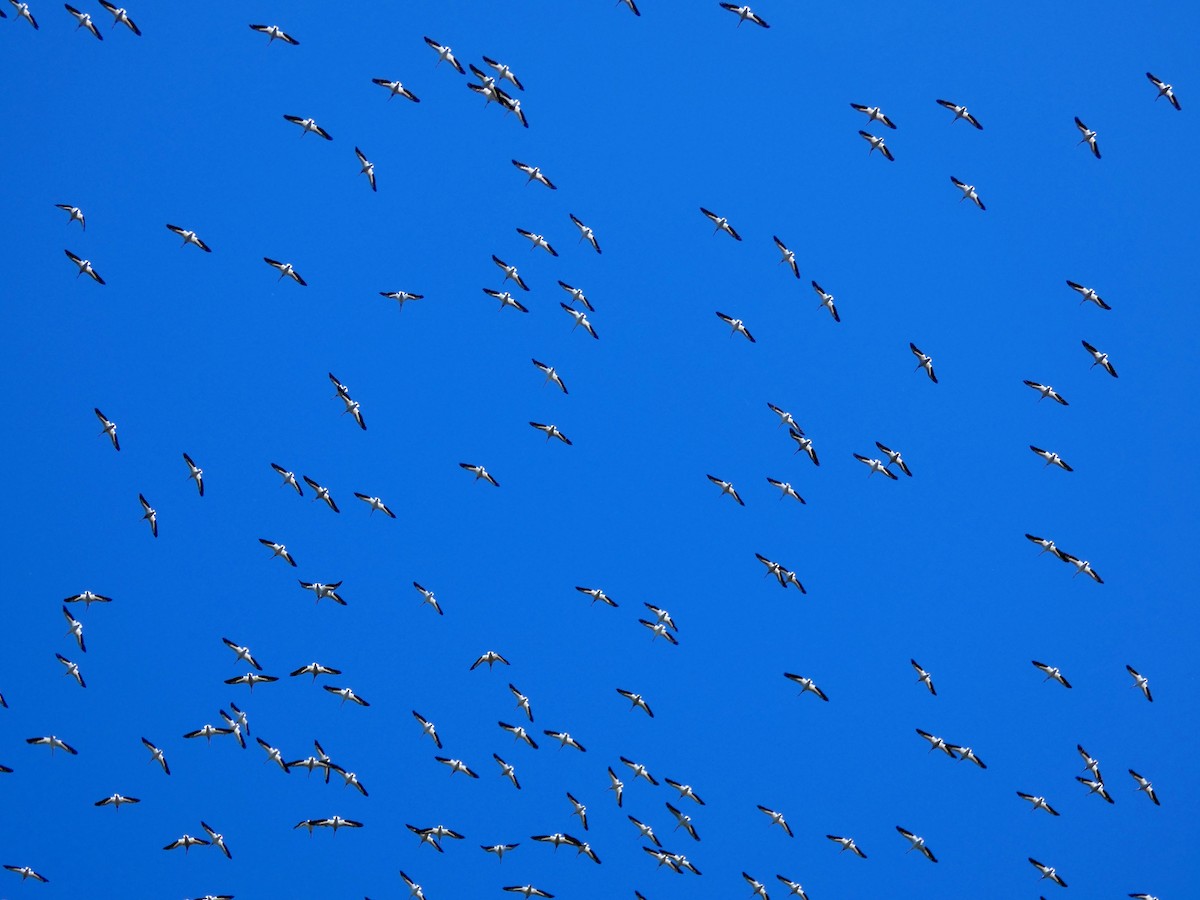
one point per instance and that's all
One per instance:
(639, 121)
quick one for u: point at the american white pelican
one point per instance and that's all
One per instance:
(1087, 294)
(336, 822)
(519, 734)
(579, 809)
(507, 771)
(346, 694)
(721, 223)
(71, 668)
(923, 677)
(638, 701)
(195, 473)
(876, 465)
(87, 598)
(24, 13)
(727, 488)
(116, 801)
(273, 32)
(309, 125)
(659, 630)
(314, 669)
(877, 143)
(83, 20)
(894, 458)
(787, 256)
(960, 112)
(1089, 137)
(54, 743)
(917, 842)
(807, 685)
(556, 840)
(27, 872)
(1095, 787)
(580, 318)
(279, 550)
(110, 428)
(1047, 545)
(632, 4)
(235, 726)
(874, 114)
(564, 739)
(285, 271)
(1090, 764)
(149, 514)
(745, 14)
(795, 889)
(1099, 359)
(847, 844)
(503, 72)
(617, 786)
(512, 105)
(157, 756)
(74, 213)
(75, 629)
(1051, 458)
(320, 492)
(551, 375)
(368, 168)
(522, 701)
(186, 842)
(1046, 391)
(251, 679)
(85, 267)
(376, 504)
(510, 272)
(966, 753)
(1140, 681)
(216, 839)
(444, 55)
(536, 241)
(639, 771)
(535, 174)
(1047, 872)
(776, 819)
(1051, 672)
(1037, 802)
(208, 732)
(324, 591)
(785, 489)
(121, 17)
(289, 478)
(414, 890)
(923, 362)
(242, 653)
(785, 418)
(499, 849)
(528, 890)
(826, 301)
(936, 743)
(683, 821)
(551, 431)
(736, 326)
(396, 88)
(491, 657)
(1168, 91)
(506, 299)
(968, 192)
(479, 472)
(456, 766)
(585, 233)
(597, 594)
(1082, 567)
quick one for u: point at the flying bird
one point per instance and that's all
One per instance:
(551, 431)
(1088, 295)
(279, 550)
(71, 668)
(320, 492)
(564, 740)
(776, 819)
(580, 318)
(1099, 359)
(324, 591)
(187, 842)
(960, 112)
(85, 267)
(444, 55)
(1051, 672)
(638, 701)
(522, 701)
(1168, 91)
(110, 428)
(727, 488)
(1095, 787)
(308, 125)
(1089, 137)
(75, 629)
(877, 143)
(376, 504)
(346, 694)
(923, 677)
(368, 168)
(968, 192)
(504, 73)
(745, 14)
(1037, 802)
(54, 743)
(787, 256)
(395, 88)
(285, 270)
(243, 653)
(216, 839)
(1139, 681)
(116, 801)
(273, 32)
(551, 375)
(1082, 566)
(917, 843)
(923, 362)
(507, 771)
(847, 844)
(83, 20)
(1046, 391)
(491, 657)
(149, 514)
(1051, 458)
(1048, 872)
(736, 326)
(721, 223)
(510, 273)
(314, 669)
(535, 174)
(455, 766)
(585, 233)
(24, 13)
(479, 472)
(876, 465)
(785, 489)
(894, 459)
(27, 872)
(807, 685)
(195, 473)
(157, 756)
(826, 301)
(874, 114)
(121, 17)
(289, 478)
(74, 214)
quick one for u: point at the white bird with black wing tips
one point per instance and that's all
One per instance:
(807, 685)
(721, 224)
(150, 514)
(1088, 294)
(285, 271)
(368, 168)
(535, 174)
(736, 326)
(1051, 672)
(875, 465)
(916, 842)
(777, 817)
(74, 214)
(968, 192)
(745, 14)
(1048, 872)
(585, 233)
(1140, 682)
(580, 318)
(273, 32)
(445, 54)
(396, 88)
(1051, 458)
(1099, 359)
(827, 301)
(874, 114)
(1168, 91)
(83, 20)
(877, 143)
(308, 125)
(85, 267)
(960, 112)
(1089, 137)
(121, 17)
(923, 361)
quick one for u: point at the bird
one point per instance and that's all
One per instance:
(1051, 458)
(323, 591)
(428, 728)
(1168, 91)
(368, 168)
(579, 809)
(551, 431)
(787, 256)
(110, 428)
(877, 143)
(427, 597)
(149, 514)
(874, 114)
(456, 765)
(537, 241)
(1139, 680)
(585, 233)
(1089, 137)
(736, 327)
(157, 756)
(499, 849)
(685, 791)
(336, 822)
(556, 840)
(289, 478)
(506, 299)
(376, 504)
(1087, 294)
(187, 842)
(510, 273)
(1082, 566)
(936, 743)
(309, 125)
(1099, 359)
(721, 223)
(776, 819)
(894, 459)
(924, 677)
(1037, 802)
(519, 734)
(522, 701)
(507, 771)
(564, 740)
(479, 472)
(121, 17)
(491, 657)
(71, 669)
(235, 725)
(445, 55)
(597, 594)
(195, 473)
(795, 889)
(551, 375)
(580, 318)
(804, 443)
(745, 14)
(876, 465)
(638, 701)
(1051, 672)
(414, 889)
(727, 488)
(1046, 545)
(83, 20)
(1090, 764)
(278, 550)
(503, 72)
(535, 174)
(54, 743)
(785, 418)
(639, 771)
(27, 872)
(1095, 787)
(528, 890)
(75, 629)
(74, 214)
(116, 801)
(617, 786)
(320, 493)
(960, 112)
(1046, 391)
(923, 362)
(966, 753)
(786, 490)
(847, 844)
(968, 192)
(242, 653)
(285, 270)
(660, 631)
(251, 679)
(1047, 872)
(917, 843)
(632, 4)
(314, 669)
(85, 267)
(273, 32)
(401, 297)
(208, 732)
(807, 685)
(346, 694)
(395, 88)
(216, 839)
(826, 301)
(24, 13)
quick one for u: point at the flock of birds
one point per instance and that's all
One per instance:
(888, 462)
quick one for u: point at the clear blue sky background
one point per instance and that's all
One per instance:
(639, 121)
